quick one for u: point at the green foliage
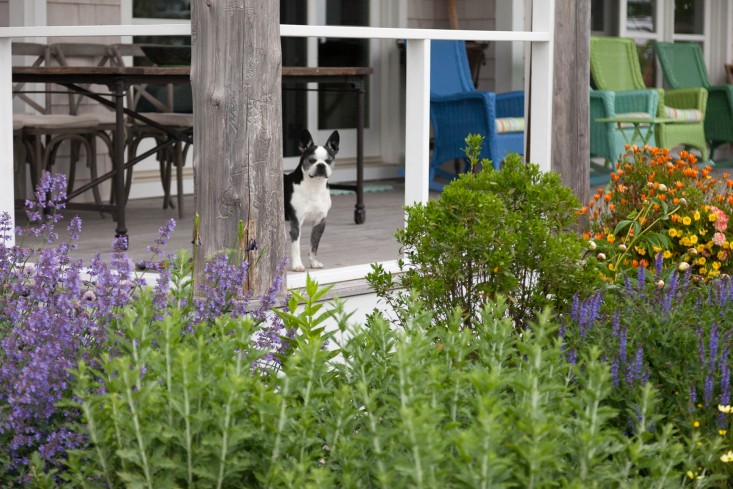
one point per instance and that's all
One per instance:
(494, 232)
(379, 407)
(166, 409)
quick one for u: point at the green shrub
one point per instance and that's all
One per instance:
(380, 407)
(493, 232)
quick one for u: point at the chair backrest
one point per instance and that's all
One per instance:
(81, 54)
(614, 64)
(149, 98)
(449, 70)
(682, 64)
(42, 57)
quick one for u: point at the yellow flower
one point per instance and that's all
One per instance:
(722, 432)
(703, 232)
(667, 254)
(721, 255)
(703, 271)
(685, 241)
(712, 217)
(696, 215)
(641, 251)
(701, 260)
(727, 409)
(716, 265)
(611, 238)
(727, 457)
(672, 232)
(610, 266)
(700, 248)
(690, 474)
(693, 239)
(686, 220)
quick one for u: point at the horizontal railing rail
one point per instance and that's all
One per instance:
(417, 103)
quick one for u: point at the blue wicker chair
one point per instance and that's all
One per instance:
(457, 109)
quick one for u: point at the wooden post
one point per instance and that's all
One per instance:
(237, 151)
(571, 123)
(452, 14)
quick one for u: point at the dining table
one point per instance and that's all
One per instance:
(118, 79)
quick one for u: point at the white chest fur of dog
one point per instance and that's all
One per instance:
(311, 200)
(307, 198)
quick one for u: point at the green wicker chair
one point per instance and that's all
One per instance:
(614, 65)
(683, 67)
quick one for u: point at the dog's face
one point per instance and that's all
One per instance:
(317, 161)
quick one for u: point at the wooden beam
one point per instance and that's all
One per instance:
(571, 123)
(237, 151)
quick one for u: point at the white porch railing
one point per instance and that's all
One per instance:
(417, 99)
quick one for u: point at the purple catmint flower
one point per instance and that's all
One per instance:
(671, 293)
(164, 234)
(713, 346)
(638, 364)
(708, 392)
(700, 345)
(658, 265)
(74, 229)
(575, 309)
(614, 371)
(640, 280)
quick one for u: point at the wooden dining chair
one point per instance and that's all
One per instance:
(157, 103)
(43, 131)
(93, 54)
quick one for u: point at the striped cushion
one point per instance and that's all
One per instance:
(510, 124)
(687, 115)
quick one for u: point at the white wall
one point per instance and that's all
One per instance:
(4, 13)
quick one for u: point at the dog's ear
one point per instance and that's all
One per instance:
(333, 142)
(306, 140)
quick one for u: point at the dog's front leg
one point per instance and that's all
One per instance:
(315, 240)
(295, 246)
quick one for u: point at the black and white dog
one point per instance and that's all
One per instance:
(307, 197)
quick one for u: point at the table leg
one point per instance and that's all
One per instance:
(119, 166)
(360, 211)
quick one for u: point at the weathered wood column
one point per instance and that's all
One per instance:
(571, 98)
(237, 153)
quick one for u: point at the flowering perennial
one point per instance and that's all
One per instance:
(659, 204)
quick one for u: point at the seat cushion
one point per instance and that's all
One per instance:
(56, 121)
(509, 124)
(687, 115)
(170, 119)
